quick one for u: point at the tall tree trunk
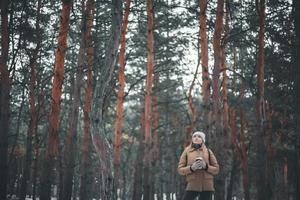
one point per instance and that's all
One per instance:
(70, 142)
(262, 193)
(86, 141)
(52, 147)
(233, 174)
(100, 140)
(35, 166)
(126, 186)
(223, 67)
(32, 108)
(296, 5)
(148, 114)
(119, 114)
(167, 158)
(227, 151)
(219, 144)
(5, 99)
(60, 159)
(155, 146)
(233, 124)
(31, 128)
(270, 153)
(217, 59)
(235, 149)
(155, 117)
(18, 123)
(244, 157)
(137, 177)
(150, 67)
(36, 147)
(243, 147)
(205, 89)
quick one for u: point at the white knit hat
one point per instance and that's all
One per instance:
(201, 134)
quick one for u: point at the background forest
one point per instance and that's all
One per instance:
(100, 97)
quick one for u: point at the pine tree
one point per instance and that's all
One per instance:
(5, 100)
(52, 149)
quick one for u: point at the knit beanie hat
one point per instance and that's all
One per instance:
(201, 134)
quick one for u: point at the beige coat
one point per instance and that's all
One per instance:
(200, 180)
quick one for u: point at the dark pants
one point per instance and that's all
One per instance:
(191, 195)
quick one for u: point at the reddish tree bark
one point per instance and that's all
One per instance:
(150, 67)
(155, 118)
(148, 114)
(86, 141)
(155, 146)
(31, 132)
(260, 7)
(217, 57)
(70, 142)
(218, 143)
(262, 192)
(120, 96)
(53, 141)
(205, 89)
(223, 67)
(239, 147)
(5, 99)
(32, 109)
(52, 147)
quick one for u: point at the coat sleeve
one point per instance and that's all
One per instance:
(183, 169)
(213, 166)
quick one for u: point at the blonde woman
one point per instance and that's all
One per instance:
(199, 165)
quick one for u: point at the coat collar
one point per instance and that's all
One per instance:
(190, 148)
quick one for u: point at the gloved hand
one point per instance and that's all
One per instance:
(203, 164)
(196, 165)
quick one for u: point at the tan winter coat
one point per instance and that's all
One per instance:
(200, 180)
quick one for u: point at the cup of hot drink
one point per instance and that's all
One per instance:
(199, 158)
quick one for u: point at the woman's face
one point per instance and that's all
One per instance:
(197, 139)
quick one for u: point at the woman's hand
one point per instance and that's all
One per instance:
(203, 164)
(196, 165)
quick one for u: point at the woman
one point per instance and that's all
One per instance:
(199, 165)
